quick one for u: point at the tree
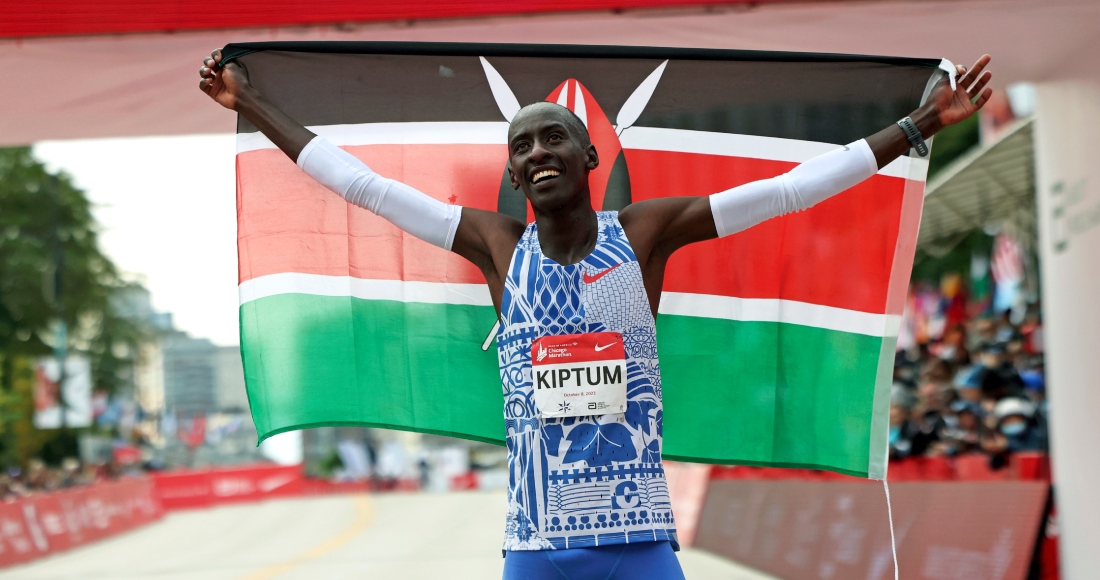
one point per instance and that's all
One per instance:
(52, 270)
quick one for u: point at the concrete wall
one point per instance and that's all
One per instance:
(1067, 144)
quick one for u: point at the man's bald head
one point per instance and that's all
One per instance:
(564, 114)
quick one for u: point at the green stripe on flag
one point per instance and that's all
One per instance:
(767, 393)
(312, 361)
(739, 392)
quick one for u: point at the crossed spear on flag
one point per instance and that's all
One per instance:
(630, 111)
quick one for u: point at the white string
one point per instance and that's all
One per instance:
(890, 515)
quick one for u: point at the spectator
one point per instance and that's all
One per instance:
(1000, 378)
(1016, 428)
(901, 430)
(1006, 332)
(1032, 331)
(952, 348)
(974, 386)
(968, 383)
(1034, 385)
(1016, 421)
(962, 433)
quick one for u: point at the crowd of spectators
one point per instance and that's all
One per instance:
(977, 388)
(16, 483)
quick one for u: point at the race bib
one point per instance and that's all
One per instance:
(579, 374)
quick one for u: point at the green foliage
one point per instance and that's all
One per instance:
(952, 142)
(51, 269)
(19, 439)
(929, 268)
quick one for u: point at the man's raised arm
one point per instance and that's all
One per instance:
(229, 87)
(421, 215)
(670, 223)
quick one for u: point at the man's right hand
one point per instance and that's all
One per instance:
(224, 84)
(228, 85)
(486, 238)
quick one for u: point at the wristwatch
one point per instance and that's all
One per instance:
(913, 134)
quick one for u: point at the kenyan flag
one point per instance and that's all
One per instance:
(776, 344)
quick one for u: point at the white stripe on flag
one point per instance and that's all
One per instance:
(674, 303)
(752, 146)
(646, 138)
(457, 133)
(776, 310)
(367, 289)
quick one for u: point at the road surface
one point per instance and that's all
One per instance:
(339, 537)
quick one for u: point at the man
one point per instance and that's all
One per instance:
(587, 496)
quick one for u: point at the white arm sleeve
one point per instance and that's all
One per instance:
(804, 186)
(427, 218)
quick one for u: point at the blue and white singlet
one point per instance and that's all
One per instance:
(582, 481)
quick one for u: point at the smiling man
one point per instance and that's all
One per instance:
(577, 292)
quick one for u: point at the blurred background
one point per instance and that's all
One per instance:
(126, 445)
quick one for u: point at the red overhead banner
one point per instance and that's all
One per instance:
(24, 18)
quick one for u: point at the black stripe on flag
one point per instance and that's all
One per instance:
(815, 97)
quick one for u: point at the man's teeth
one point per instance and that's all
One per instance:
(544, 174)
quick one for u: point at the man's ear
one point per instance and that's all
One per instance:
(512, 177)
(592, 158)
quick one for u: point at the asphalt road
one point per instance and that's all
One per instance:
(393, 536)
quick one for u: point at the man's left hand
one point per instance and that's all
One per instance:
(969, 95)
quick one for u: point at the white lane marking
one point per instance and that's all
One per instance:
(673, 303)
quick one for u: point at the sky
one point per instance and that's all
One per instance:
(167, 213)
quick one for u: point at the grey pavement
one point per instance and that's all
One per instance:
(390, 536)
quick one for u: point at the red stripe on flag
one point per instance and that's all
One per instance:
(906, 247)
(840, 253)
(286, 222)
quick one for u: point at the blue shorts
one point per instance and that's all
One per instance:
(640, 561)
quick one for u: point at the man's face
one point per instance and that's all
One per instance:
(548, 161)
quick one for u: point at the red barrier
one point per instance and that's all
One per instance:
(687, 487)
(35, 526)
(190, 489)
(1021, 467)
(839, 529)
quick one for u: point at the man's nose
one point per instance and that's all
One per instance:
(539, 151)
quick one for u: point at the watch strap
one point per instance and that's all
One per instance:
(914, 136)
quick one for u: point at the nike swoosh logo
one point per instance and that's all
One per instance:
(605, 347)
(590, 279)
(272, 483)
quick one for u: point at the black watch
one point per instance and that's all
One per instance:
(913, 134)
